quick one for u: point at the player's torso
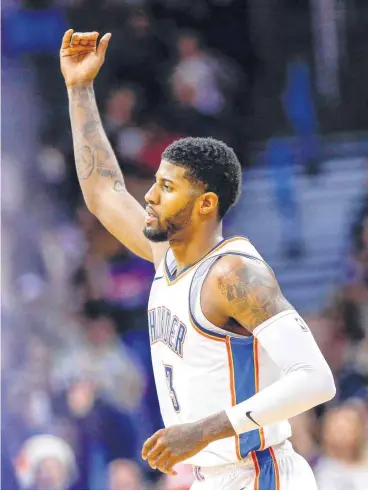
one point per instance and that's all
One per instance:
(200, 369)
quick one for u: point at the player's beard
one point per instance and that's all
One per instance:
(155, 235)
(174, 224)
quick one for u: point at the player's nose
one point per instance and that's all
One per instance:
(152, 197)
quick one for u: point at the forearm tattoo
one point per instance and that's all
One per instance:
(252, 292)
(93, 153)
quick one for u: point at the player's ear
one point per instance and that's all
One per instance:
(208, 203)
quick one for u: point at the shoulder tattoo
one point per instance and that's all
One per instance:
(252, 292)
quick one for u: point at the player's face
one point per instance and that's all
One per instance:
(170, 204)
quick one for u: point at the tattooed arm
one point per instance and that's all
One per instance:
(242, 290)
(100, 176)
(247, 292)
(98, 171)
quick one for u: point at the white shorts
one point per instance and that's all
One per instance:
(277, 468)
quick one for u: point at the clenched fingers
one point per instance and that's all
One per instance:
(84, 39)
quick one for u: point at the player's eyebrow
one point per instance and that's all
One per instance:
(164, 178)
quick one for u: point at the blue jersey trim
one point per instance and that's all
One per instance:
(267, 474)
(245, 387)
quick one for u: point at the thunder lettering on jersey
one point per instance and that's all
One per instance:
(201, 369)
(167, 328)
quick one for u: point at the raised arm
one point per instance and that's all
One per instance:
(98, 171)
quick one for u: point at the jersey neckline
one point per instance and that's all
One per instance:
(171, 279)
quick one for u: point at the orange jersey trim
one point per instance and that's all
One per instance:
(257, 468)
(202, 333)
(232, 391)
(256, 384)
(276, 467)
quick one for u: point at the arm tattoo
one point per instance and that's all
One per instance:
(119, 187)
(252, 292)
(106, 172)
(93, 153)
(85, 162)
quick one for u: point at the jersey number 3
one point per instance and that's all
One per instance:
(169, 382)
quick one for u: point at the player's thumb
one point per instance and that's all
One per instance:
(103, 45)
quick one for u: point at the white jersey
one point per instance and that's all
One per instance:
(201, 369)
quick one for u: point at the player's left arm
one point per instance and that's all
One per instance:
(247, 291)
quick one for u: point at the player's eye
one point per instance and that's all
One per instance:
(167, 187)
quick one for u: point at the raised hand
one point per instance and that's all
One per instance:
(80, 56)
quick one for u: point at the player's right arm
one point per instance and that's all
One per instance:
(98, 171)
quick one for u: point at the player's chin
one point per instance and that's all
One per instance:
(154, 234)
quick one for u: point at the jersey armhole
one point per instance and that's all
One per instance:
(195, 299)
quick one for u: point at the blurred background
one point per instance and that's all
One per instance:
(285, 82)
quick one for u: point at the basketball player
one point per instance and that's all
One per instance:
(232, 358)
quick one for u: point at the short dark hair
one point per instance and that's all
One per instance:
(212, 163)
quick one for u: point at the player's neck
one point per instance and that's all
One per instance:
(191, 250)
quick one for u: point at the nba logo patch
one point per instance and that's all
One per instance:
(302, 324)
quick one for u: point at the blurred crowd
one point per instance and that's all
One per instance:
(78, 396)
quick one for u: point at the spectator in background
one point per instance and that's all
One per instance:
(8, 476)
(344, 461)
(140, 52)
(280, 159)
(102, 357)
(120, 109)
(46, 462)
(125, 474)
(300, 109)
(98, 430)
(203, 88)
(304, 437)
(106, 270)
(157, 138)
(30, 30)
(357, 281)
(197, 76)
(138, 145)
(26, 401)
(120, 117)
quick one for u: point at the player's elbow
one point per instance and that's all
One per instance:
(316, 382)
(324, 384)
(330, 387)
(97, 204)
(90, 202)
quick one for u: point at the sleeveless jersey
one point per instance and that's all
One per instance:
(201, 369)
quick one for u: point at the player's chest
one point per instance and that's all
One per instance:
(169, 316)
(173, 295)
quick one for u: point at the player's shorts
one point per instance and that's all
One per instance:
(279, 468)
